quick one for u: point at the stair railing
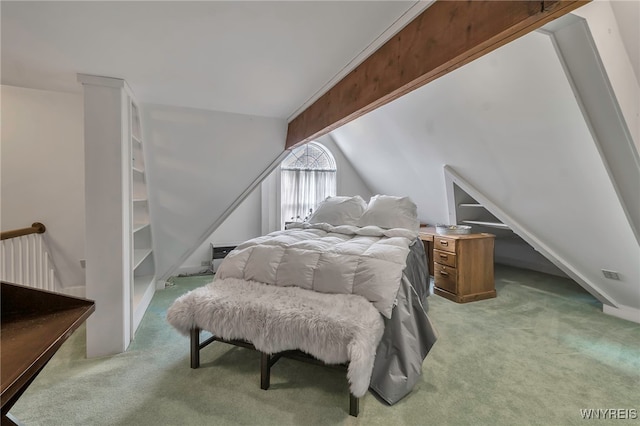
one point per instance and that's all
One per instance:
(25, 258)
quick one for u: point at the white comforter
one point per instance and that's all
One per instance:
(328, 259)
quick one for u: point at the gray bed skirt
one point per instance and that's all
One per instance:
(408, 335)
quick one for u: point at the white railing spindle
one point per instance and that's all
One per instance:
(19, 261)
(32, 263)
(3, 262)
(46, 268)
(25, 259)
(39, 264)
(13, 262)
(51, 281)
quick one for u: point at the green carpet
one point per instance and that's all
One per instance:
(535, 355)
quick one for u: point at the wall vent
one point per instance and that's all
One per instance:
(612, 275)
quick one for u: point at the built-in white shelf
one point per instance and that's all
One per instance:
(143, 289)
(139, 255)
(139, 227)
(140, 286)
(116, 237)
(498, 225)
(470, 212)
(143, 271)
(139, 190)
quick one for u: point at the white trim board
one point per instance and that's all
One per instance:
(625, 312)
(451, 177)
(585, 71)
(224, 215)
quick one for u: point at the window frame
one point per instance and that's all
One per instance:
(330, 167)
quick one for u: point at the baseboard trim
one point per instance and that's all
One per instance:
(190, 269)
(531, 266)
(625, 312)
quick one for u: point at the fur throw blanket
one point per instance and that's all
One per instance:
(334, 328)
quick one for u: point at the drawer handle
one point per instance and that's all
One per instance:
(443, 256)
(444, 273)
(444, 243)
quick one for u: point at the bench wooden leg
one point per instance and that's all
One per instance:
(265, 371)
(266, 362)
(354, 405)
(195, 347)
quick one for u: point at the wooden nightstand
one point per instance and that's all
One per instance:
(462, 265)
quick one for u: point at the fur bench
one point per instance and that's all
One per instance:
(335, 329)
(266, 362)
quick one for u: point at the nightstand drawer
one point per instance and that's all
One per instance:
(445, 244)
(445, 278)
(444, 257)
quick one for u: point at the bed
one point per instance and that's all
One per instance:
(348, 287)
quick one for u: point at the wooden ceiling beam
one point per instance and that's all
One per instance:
(447, 35)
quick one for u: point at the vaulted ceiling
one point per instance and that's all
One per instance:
(253, 57)
(273, 59)
(264, 58)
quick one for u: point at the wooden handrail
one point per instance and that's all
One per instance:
(35, 228)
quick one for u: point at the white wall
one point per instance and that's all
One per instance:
(43, 173)
(198, 163)
(348, 181)
(509, 123)
(627, 14)
(246, 220)
(243, 224)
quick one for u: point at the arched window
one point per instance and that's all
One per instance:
(308, 176)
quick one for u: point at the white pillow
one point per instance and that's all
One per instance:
(388, 211)
(340, 210)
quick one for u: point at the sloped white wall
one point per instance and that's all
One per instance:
(198, 163)
(43, 173)
(246, 220)
(243, 224)
(348, 181)
(509, 123)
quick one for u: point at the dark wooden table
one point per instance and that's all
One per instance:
(35, 323)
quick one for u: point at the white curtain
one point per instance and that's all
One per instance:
(303, 190)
